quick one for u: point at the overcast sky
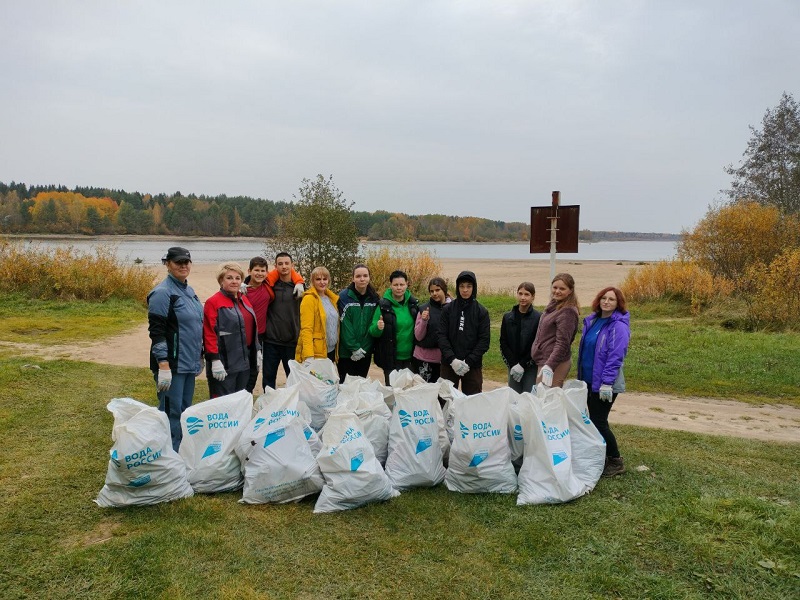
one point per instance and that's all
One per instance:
(632, 109)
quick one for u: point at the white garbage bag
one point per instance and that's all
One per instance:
(211, 430)
(276, 459)
(546, 476)
(143, 468)
(448, 392)
(354, 384)
(480, 457)
(588, 445)
(516, 440)
(285, 403)
(318, 379)
(415, 435)
(353, 476)
(370, 408)
(404, 379)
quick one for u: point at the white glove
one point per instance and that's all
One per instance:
(218, 371)
(242, 288)
(459, 367)
(606, 393)
(164, 380)
(358, 355)
(260, 360)
(516, 372)
(547, 376)
(299, 290)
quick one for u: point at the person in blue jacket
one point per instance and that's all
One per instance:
(604, 344)
(175, 323)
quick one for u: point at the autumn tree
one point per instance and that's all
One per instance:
(770, 169)
(319, 231)
(732, 237)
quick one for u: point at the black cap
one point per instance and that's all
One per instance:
(176, 253)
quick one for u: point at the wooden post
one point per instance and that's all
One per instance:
(553, 230)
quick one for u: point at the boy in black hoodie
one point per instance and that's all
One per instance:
(464, 334)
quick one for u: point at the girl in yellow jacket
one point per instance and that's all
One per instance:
(319, 319)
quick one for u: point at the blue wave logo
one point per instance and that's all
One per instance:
(585, 417)
(518, 433)
(559, 457)
(307, 432)
(140, 481)
(423, 445)
(464, 430)
(405, 418)
(259, 422)
(357, 461)
(479, 458)
(213, 448)
(114, 459)
(193, 425)
(274, 436)
(544, 427)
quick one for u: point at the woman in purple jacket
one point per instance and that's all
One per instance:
(604, 344)
(552, 348)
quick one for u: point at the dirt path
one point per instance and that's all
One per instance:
(778, 423)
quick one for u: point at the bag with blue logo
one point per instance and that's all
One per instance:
(480, 457)
(588, 445)
(353, 475)
(211, 430)
(373, 414)
(546, 475)
(447, 393)
(276, 459)
(284, 403)
(319, 385)
(416, 435)
(143, 467)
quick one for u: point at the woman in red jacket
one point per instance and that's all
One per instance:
(551, 350)
(230, 334)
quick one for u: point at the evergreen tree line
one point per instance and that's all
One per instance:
(91, 211)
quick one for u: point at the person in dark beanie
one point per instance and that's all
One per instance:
(464, 335)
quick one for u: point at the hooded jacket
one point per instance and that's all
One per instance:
(464, 329)
(609, 352)
(313, 341)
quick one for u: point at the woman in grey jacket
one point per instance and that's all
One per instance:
(557, 328)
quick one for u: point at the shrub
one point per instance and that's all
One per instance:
(773, 298)
(675, 280)
(419, 264)
(730, 238)
(68, 274)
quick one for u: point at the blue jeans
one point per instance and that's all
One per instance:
(274, 355)
(174, 401)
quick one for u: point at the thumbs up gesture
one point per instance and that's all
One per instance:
(426, 314)
(380, 323)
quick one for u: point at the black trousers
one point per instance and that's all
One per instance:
(356, 368)
(598, 413)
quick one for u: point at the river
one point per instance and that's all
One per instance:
(150, 251)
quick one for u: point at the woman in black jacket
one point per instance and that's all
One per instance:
(427, 358)
(517, 333)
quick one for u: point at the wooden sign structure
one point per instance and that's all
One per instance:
(554, 229)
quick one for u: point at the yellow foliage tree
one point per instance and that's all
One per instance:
(730, 238)
(774, 291)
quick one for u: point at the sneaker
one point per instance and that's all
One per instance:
(614, 466)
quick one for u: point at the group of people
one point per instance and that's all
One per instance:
(257, 322)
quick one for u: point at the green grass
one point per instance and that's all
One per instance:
(32, 321)
(712, 518)
(673, 353)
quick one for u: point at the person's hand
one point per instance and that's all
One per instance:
(381, 324)
(242, 288)
(426, 314)
(606, 393)
(164, 380)
(218, 371)
(260, 360)
(547, 376)
(459, 367)
(299, 290)
(358, 355)
(516, 372)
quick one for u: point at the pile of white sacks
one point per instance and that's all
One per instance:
(358, 442)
